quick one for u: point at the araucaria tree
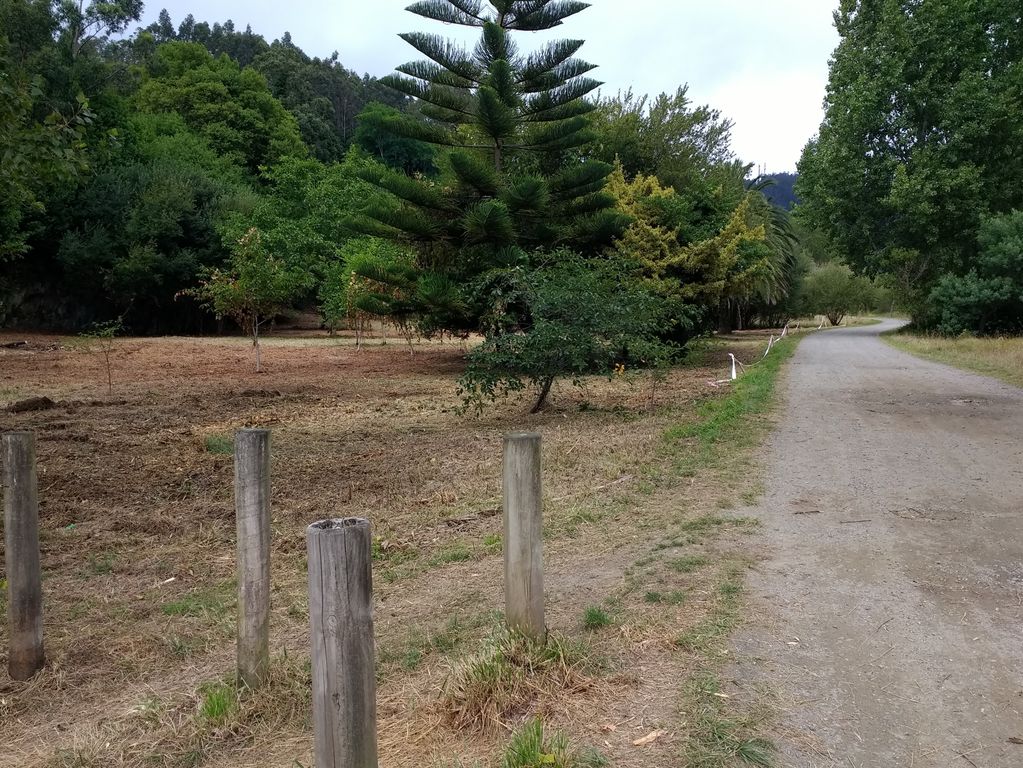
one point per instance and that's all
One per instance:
(513, 178)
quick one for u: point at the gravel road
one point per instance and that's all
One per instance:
(888, 612)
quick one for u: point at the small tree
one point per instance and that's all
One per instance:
(99, 337)
(254, 289)
(834, 291)
(582, 319)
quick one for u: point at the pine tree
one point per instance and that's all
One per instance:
(514, 175)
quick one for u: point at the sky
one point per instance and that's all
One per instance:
(764, 65)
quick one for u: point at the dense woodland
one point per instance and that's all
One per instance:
(159, 180)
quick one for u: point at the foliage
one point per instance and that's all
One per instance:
(580, 319)
(665, 137)
(833, 290)
(36, 154)
(230, 107)
(512, 179)
(989, 298)
(100, 337)
(253, 289)
(365, 283)
(142, 227)
(921, 138)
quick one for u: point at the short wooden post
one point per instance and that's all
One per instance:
(523, 535)
(252, 515)
(21, 542)
(341, 621)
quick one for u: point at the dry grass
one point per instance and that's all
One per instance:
(1001, 358)
(138, 535)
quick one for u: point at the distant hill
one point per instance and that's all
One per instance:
(782, 192)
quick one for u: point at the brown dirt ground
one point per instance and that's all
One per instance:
(138, 532)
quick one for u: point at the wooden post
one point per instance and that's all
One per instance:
(252, 515)
(523, 536)
(341, 621)
(21, 542)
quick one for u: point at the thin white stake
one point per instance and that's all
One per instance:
(735, 374)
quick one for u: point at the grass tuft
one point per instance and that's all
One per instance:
(716, 740)
(221, 445)
(595, 618)
(688, 563)
(511, 675)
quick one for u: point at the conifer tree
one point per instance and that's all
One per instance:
(514, 175)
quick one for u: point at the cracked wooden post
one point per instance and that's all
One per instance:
(341, 623)
(21, 545)
(252, 517)
(523, 536)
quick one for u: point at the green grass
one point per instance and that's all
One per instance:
(674, 597)
(213, 602)
(595, 618)
(717, 739)
(688, 563)
(217, 703)
(219, 444)
(725, 424)
(456, 553)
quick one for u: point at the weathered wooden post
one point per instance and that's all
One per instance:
(523, 535)
(252, 515)
(21, 542)
(341, 622)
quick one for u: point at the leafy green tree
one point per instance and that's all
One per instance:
(989, 298)
(145, 224)
(834, 291)
(230, 107)
(584, 318)
(254, 288)
(666, 137)
(921, 138)
(512, 179)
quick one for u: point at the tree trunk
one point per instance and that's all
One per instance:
(725, 320)
(545, 390)
(255, 342)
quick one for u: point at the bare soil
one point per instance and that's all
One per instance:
(138, 536)
(892, 598)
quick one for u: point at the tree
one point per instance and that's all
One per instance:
(90, 24)
(834, 291)
(584, 318)
(989, 298)
(254, 288)
(666, 137)
(230, 107)
(512, 180)
(921, 137)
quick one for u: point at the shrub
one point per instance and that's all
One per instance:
(834, 291)
(581, 318)
(989, 298)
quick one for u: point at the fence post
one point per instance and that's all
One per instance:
(341, 623)
(523, 535)
(21, 542)
(252, 516)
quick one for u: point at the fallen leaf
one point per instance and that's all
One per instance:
(650, 738)
(1015, 740)
(609, 728)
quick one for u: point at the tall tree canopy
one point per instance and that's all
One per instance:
(921, 138)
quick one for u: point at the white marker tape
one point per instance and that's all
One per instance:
(735, 373)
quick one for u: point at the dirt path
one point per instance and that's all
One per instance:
(890, 626)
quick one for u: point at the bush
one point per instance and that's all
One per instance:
(580, 318)
(989, 298)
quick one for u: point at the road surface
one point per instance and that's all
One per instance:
(888, 613)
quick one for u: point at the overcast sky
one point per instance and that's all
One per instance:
(763, 64)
